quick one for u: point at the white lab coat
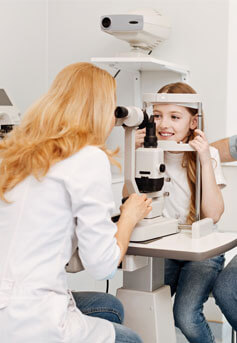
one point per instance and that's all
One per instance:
(36, 231)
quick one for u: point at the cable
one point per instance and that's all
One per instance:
(107, 286)
(116, 73)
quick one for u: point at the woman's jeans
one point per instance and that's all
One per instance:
(192, 282)
(106, 306)
(225, 292)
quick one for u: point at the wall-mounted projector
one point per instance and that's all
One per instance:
(143, 29)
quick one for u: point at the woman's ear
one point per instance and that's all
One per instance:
(193, 123)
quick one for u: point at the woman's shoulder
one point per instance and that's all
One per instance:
(90, 152)
(87, 158)
(89, 164)
(87, 152)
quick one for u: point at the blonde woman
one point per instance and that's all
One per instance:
(55, 182)
(191, 282)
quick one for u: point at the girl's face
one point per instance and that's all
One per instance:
(173, 122)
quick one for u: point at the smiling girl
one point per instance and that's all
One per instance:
(191, 281)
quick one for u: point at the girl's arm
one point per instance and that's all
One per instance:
(212, 204)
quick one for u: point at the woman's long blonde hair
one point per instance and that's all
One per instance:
(76, 111)
(189, 159)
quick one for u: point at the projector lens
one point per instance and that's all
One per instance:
(106, 22)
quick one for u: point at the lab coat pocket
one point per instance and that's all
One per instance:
(71, 327)
(57, 304)
(33, 317)
(80, 328)
(53, 309)
(70, 324)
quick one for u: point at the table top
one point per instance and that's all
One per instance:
(182, 246)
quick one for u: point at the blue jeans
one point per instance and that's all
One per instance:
(106, 306)
(192, 282)
(225, 292)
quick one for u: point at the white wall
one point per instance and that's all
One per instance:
(39, 37)
(198, 40)
(231, 122)
(23, 50)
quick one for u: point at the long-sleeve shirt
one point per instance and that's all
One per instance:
(36, 231)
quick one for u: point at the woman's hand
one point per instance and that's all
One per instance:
(139, 137)
(136, 207)
(200, 144)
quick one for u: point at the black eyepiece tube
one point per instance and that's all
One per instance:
(121, 112)
(150, 140)
(144, 122)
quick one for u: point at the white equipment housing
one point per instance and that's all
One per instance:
(143, 29)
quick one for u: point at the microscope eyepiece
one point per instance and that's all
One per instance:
(150, 140)
(130, 116)
(121, 112)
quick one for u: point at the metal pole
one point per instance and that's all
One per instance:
(129, 161)
(198, 169)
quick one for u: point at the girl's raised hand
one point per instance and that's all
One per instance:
(200, 144)
(139, 137)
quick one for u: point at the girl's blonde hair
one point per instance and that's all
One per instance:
(76, 111)
(189, 159)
